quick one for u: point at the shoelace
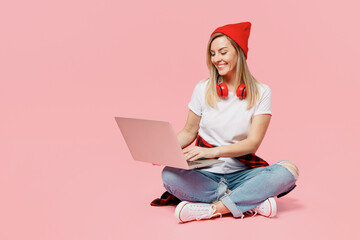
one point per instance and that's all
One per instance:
(211, 214)
(252, 212)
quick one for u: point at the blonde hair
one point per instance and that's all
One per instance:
(242, 75)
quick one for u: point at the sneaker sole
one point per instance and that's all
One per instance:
(273, 207)
(178, 210)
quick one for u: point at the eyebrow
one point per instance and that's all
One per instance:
(219, 49)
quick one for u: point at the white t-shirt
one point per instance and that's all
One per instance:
(227, 123)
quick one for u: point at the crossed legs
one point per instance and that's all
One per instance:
(244, 191)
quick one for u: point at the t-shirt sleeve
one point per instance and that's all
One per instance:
(195, 103)
(265, 103)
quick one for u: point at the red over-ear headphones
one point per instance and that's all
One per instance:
(222, 90)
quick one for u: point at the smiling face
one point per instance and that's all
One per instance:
(223, 56)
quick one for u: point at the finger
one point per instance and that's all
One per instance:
(190, 153)
(194, 157)
(191, 149)
(188, 156)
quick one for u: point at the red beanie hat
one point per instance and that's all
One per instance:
(239, 32)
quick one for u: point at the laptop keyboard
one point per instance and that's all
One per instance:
(192, 163)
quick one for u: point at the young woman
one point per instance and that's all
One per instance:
(229, 114)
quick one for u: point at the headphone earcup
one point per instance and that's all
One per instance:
(241, 91)
(222, 90)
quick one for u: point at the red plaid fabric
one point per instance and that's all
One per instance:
(250, 160)
(165, 200)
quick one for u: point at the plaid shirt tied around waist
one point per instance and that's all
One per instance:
(250, 160)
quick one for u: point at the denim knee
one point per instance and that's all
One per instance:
(291, 167)
(168, 175)
(191, 185)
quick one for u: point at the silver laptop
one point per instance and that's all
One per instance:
(155, 142)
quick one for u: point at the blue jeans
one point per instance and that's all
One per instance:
(248, 187)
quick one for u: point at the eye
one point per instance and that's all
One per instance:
(223, 53)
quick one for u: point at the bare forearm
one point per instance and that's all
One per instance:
(237, 149)
(185, 138)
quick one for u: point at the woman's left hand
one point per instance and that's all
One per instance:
(195, 153)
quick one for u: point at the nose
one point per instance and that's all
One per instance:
(217, 58)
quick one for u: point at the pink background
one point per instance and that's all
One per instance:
(68, 67)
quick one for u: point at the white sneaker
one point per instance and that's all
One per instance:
(267, 208)
(187, 211)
